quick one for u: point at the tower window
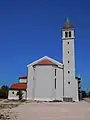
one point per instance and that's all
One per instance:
(67, 42)
(55, 72)
(55, 83)
(68, 82)
(66, 34)
(68, 52)
(68, 72)
(68, 61)
(70, 34)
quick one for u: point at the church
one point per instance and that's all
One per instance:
(48, 79)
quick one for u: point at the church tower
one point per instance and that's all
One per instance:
(70, 84)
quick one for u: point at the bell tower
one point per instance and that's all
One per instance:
(70, 84)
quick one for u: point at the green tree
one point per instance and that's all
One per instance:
(89, 94)
(84, 94)
(4, 91)
(20, 94)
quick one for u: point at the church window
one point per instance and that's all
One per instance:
(55, 72)
(66, 34)
(69, 33)
(68, 82)
(55, 83)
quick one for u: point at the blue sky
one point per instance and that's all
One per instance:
(31, 29)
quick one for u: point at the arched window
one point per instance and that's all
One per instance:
(66, 34)
(69, 33)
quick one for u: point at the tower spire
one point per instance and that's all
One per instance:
(67, 20)
(67, 24)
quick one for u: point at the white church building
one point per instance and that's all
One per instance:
(48, 79)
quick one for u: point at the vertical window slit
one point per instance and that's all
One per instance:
(55, 83)
(70, 34)
(66, 34)
(55, 72)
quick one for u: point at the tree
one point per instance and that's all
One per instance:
(84, 94)
(89, 94)
(20, 93)
(4, 91)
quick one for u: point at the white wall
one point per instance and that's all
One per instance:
(30, 82)
(22, 80)
(41, 83)
(59, 87)
(23, 94)
(15, 96)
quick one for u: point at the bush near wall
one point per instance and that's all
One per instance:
(4, 92)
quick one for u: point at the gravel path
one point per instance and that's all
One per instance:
(53, 111)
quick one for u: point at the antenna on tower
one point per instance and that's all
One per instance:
(67, 20)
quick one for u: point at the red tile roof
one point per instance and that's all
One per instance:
(23, 77)
(19, 86)
(45, 62)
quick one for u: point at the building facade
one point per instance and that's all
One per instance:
(48, 79)
(45, 78)
(68, 39)
(17, 91)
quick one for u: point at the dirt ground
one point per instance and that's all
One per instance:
(53, 111)
(6, 109)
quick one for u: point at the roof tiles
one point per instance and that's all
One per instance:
(19, 86)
